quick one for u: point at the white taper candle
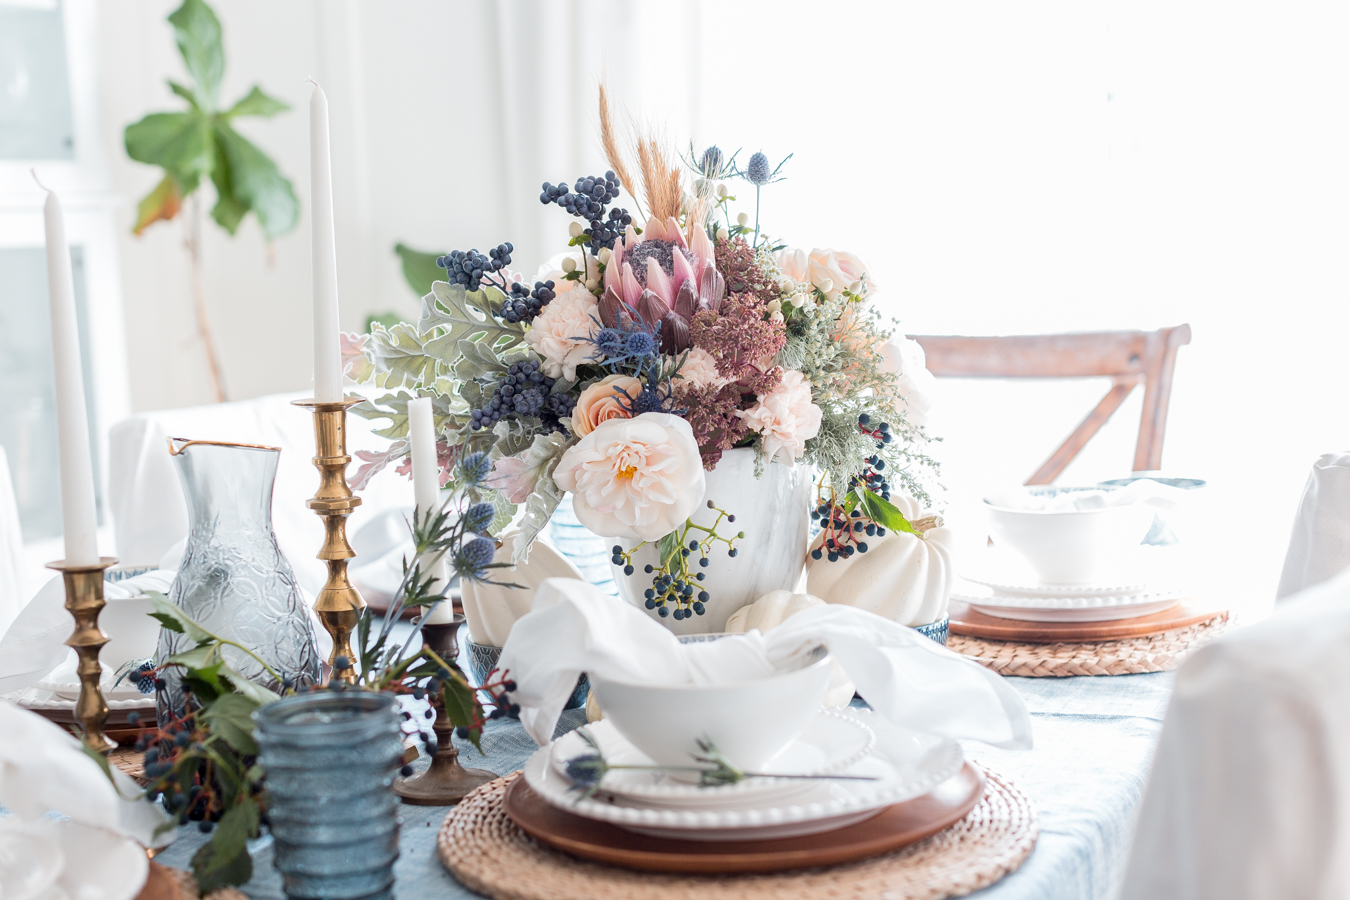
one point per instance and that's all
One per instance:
(79, 515)
(323, 255)
(427, 490)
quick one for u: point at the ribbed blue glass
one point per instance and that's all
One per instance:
(331, 758)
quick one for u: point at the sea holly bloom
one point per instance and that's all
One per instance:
(662, 280)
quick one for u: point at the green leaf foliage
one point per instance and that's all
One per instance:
(459, 705)
(224, 860)
(419, 268)
(400, 352)
(166, 610)
(229, 718)
(883, 512)
(466, 316)
(197, 31)
(202, 142)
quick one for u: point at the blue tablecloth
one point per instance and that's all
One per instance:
(1094, 740)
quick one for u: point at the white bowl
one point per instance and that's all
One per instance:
(132, 633)
(748, 721)
(1079, 546)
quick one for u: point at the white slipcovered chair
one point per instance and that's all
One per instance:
(1249, 796)
(13, 594)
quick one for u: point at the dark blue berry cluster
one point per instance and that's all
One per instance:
(587, 200)
(472, 268)
(845, 533)
(870, 477)
(524, 391)
(523, 303)
(675, 590)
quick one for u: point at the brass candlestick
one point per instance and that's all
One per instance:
(339, 605)
(84, 601)
(445, 781)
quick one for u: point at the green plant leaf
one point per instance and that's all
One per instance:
(393, 407)
(229, 718)
(179, 143)
(224, 859)
(466, 315)
(204, 683)
(185, 93)
(165, 610)
(229, 210)
(256, 184)
(461, 707)
(668, 546)
(256, 103)
(883, 512)
(197, 31)
(260, 695)
(419, 268)
(399, 351)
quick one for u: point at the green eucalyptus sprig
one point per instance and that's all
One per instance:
(588, 770)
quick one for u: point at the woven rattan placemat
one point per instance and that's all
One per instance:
(489, 854)
(1131, 656)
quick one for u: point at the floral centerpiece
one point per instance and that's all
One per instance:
(671, 334)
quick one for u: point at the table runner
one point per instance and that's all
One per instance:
(1094, 740)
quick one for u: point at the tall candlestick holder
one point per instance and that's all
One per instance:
(445, 781)
(84, 601)
(339, 605)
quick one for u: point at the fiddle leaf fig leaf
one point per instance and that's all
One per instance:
(179, 143)
(197, 31)
(255, 183)
(185, 93)
(256, 103)
(419, 268)
(163, 202)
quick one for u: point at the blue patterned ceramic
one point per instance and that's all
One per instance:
(935, 630)
(330, 760)
(483, 659)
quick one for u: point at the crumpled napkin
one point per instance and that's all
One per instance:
(36, 643)
(1319, 546)
(907, 678)
(1145, 490)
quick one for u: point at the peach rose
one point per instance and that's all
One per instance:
(602, 401)
(833, 271)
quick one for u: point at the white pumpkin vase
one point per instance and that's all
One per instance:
(905, 577)
(773, 511)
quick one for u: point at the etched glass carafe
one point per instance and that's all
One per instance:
(233, 580)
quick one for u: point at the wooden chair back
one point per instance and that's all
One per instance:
(1128, 358)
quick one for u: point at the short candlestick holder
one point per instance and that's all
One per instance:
(84, 601)
(339, 605)
(445, 781)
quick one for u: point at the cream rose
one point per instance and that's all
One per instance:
(835, 270)
(785, 418)
(905, 359)
(700, 371)
(601, 402)
(794, 264)
(634, 478)
(558, 334)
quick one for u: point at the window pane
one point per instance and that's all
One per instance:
(35, 117)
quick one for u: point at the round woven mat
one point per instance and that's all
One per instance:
(1131, 656)
(489, 854)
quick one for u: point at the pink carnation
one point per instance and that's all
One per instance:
(700, 371)
(559, 333)
(785, 418)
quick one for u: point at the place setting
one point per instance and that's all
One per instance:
(1088, 580)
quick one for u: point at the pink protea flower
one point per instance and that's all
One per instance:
(662, 280)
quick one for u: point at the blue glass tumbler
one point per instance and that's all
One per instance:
(331, 758)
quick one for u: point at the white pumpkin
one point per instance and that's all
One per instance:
(904, 577)
(769, 611)
(493, 608)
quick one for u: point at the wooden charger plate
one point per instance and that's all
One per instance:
(894, 827)
(967, 621)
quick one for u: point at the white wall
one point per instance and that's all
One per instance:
(1005, 168)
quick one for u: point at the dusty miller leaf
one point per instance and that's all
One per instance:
(466, 315)
(538, 510)
(399, 351)
(393, 407)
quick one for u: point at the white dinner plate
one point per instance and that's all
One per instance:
(1097, 614)
(905, 764)
(833, 741)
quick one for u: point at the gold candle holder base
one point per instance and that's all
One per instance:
(84, 601)
(445, 781)
(339, 605)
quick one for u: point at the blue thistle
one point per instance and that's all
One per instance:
(475, 556)
(478, 517)
(640, 343)
(711, 163)
(610, 342)
(475, 467)
(757, 172)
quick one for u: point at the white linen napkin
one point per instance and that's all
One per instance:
(907, 678)
(1319, 546)
(36, 642)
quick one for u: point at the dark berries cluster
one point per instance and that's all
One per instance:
(524, 303)
(845, 533)
(470, 269)
(675, 590)
(871, 476)
(524, 391)
(587, 200)
(145, 679)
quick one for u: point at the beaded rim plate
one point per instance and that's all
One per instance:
(907, 764)
(832, 742)
(1099, 614)
(1143, 597)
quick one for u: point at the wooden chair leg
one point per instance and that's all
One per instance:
(1061, 458)
(1159, 365)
